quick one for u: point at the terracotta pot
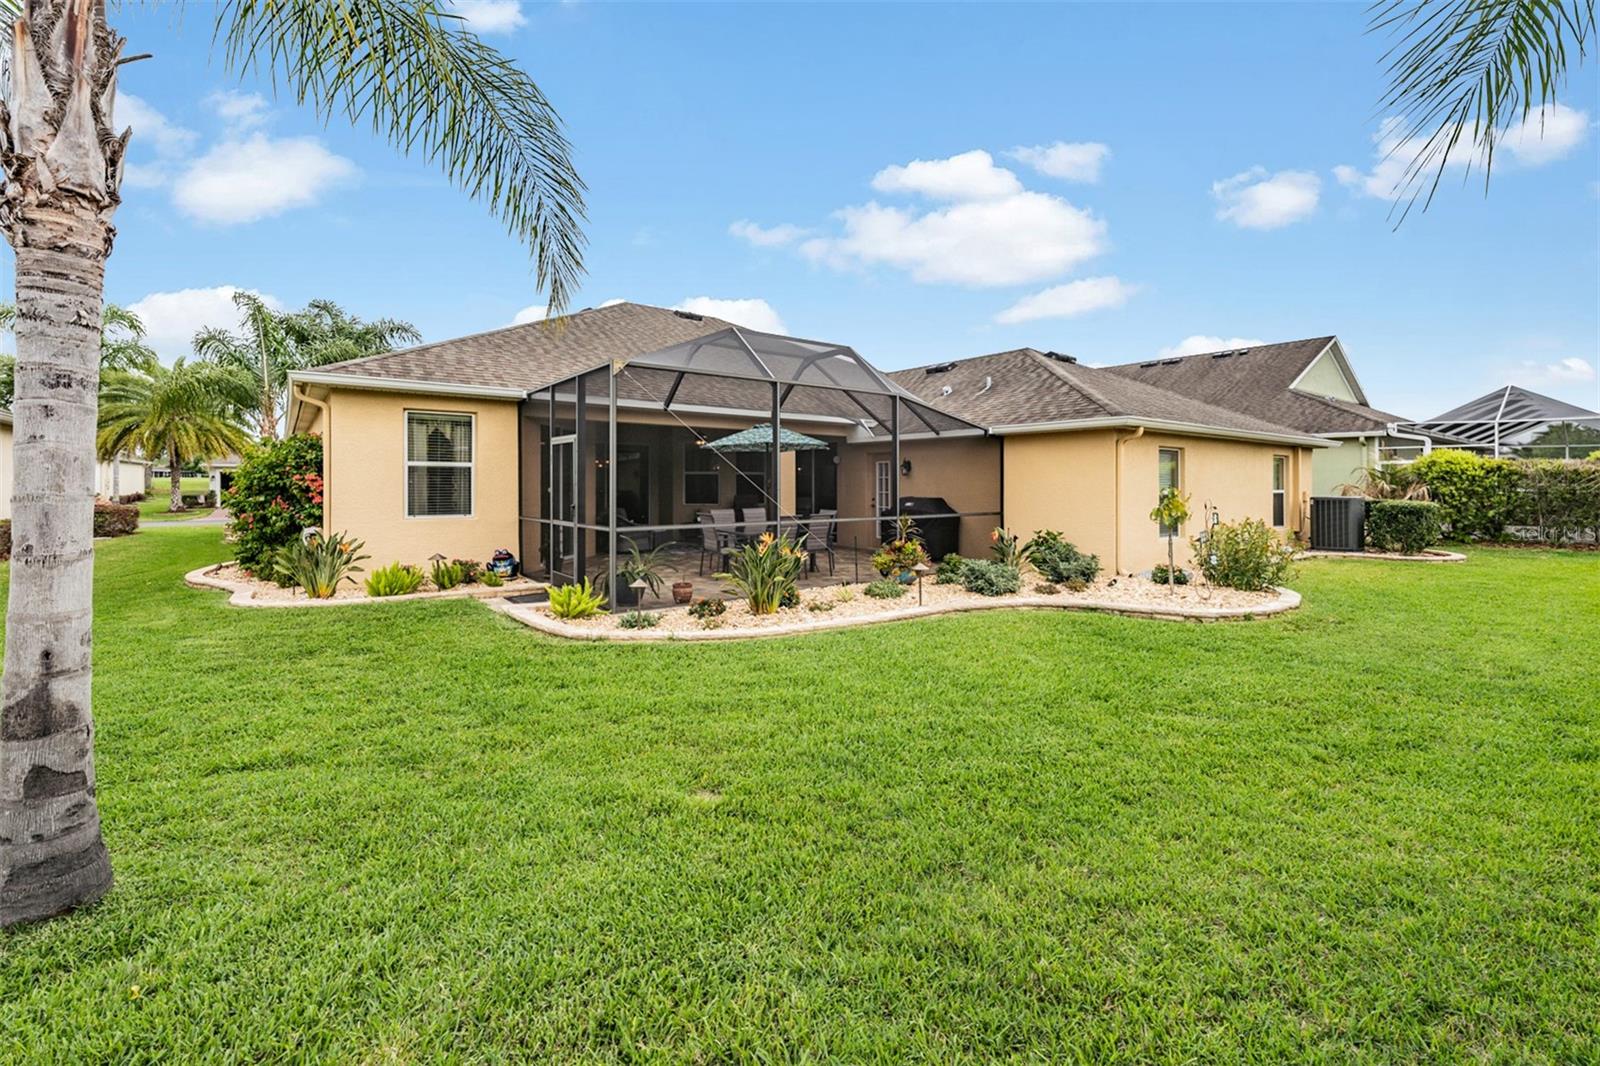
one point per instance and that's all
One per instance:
(682, 591)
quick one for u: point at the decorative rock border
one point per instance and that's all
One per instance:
(539, 617)
(244, 595)
(1431, 555)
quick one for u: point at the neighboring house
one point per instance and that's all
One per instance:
(7, 470)
(489, 441)
(220, 471)
(1306, 385)
(1514, 419)
(124, 476)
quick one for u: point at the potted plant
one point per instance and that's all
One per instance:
(897, 558)
(682, 591)
(639, 566)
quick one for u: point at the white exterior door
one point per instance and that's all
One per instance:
(883, 492)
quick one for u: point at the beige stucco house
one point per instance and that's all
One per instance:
(506, 440)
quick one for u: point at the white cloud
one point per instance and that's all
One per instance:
(1199, 342)
(531, 313)
(1011, 241)
(258, 177)
(151, 127)
(490, 16)
(1255, 199)
(1548, 134)
(1066, 301)
(171, 319)
(239, 110)
(753, 314)
(1070, 162)
(1569, 371)
(766, 236)
(968, 176)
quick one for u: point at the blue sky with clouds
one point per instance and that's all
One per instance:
(920, 182)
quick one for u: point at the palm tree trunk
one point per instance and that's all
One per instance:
(175, 486)
(62, 164)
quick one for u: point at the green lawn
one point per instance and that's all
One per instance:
(1368, 831)
(153, 508)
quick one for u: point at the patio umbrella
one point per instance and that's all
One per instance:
(759, 439)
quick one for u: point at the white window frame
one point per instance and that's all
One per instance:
(1280, 491)
(471, 465)
(1177, 484)
(883, 487)
(691, 448)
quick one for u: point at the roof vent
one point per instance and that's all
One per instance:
(690, 315)
(988, 383)
(1061, 357)
(947, 390)
(1154, 362)
(939, 368)
(1230, 351)
(1171, 362)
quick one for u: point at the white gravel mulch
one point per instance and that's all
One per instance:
(249, 591)
(1429, 555)
(850, 606)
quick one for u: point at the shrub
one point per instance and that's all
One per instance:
(1477, 496)
(115, 519)
(1059, 560)
(1045, 588)
(822, 605)
(1405, 526)
(639, 620)
(1243, 555)
(5, 538)
(705, 609)
(576, 601)
(949, 570)
(989, 577)
(886, 588)
(898, 557)
(318, 563)
(396, 579)
(446, 575)
(471, 570)
(276, 493)
(1008, 548)
(1076, 584)
(1159, 574)
(491, 578)
(1560, 498)
(764, 573)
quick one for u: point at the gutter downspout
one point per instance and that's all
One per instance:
(327, 445)
(1116, 515)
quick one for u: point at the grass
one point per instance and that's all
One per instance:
(1368, 831)
(153, 508)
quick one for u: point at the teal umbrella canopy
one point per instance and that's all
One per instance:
(759, 439)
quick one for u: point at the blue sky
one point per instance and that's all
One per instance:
(1199, 171)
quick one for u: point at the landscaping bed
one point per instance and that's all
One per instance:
(849, 605)
(1427, 555)
(249, 591)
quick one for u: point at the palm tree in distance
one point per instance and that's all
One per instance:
(1465, 74)
(407, 68)
(269, 344)
(190, 411)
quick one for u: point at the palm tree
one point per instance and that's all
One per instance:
(271, 343)
(1464, 73)
(191, 411)
(407, 68)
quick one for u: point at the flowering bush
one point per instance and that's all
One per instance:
(898, 556)
(1243, 555)
(276, 493)
(764, 573)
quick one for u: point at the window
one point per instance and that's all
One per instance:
(1280, 470)
(438, 465)
(752, 483)
(1168, 478)
(702, 481)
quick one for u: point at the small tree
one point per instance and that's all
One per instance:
(1169, 514)
(275, 495)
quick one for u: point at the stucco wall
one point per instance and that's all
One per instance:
(1067, 482)
(364, 463)
(6, 476)
(963, 470)
(1323, 378)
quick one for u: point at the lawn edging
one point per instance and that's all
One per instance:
(244, 595)
(538, 617)
(1431, 555)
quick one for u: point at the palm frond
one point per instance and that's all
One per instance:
(411, 71)
(1462, 72)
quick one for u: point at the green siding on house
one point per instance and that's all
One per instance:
(1323, 378)
(1332, 467)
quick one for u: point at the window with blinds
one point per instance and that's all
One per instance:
(1168, 478)
(1280, 467)
(438, 465)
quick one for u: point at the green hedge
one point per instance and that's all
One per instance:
(115, 519)
(1405, 526)
(1479, 497)
(276, 493)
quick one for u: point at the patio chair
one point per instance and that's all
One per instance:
(819, 537)
(724, 532)
(754, 522)
(710, 543)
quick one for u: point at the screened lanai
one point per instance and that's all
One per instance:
(696, 448)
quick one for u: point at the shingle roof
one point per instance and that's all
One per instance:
(539, 353)
(1256, 381)
(1027, 386)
